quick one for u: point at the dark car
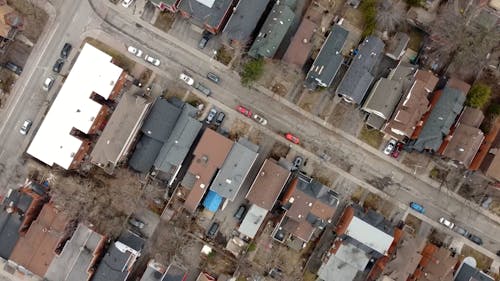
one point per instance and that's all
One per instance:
(498, 253)
(213, 77)
(66, 50)
(213, 229)
(240, 213)
(58, 66)
(13, 67)
(204, 39)
(220, 117)
(475, 239)
(297, 162)
(202, 88)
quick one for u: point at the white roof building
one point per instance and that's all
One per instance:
(369, 235)
(252, 221)
(92, 72)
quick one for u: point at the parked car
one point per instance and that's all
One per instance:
(213, 77)
(212, 231)
(205, 36)
(297, 162)
(260, 119)
(390, 147)
(240, 213)
(47, 84)
(292, 138)
(187, 79)
(498, 253)
(25, 127)
(127, 3)
(13, 67)
(58, 65)
(211, 115)
(397, 150)
(66, 49)
(136, 222)
(461, 231)
(417, 207)
(203, 89)
(152, 60)
(243, 110)
(134, 51)
(475, 239)
(446, 223)
(220, 117)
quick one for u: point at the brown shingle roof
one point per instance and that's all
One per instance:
(458, 84)
(268, 184)
(300, 47)
(36, 249)
(210, 154)
(464, 144)
(412, 106)
(471, 116)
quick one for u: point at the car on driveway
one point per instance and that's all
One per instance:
(136, 222)
(13, 67)
(58, 65)
(152, 60)
(213, 77)
(446, 223)
(187, 79)
(390, 147)
(297, 162)
(47, 84)
(417, 207)
(397, 150)
(292, 138)
(240, 213)
(66, 50)
(243, 110)
(259, 119)
(211, 115)
(212, 231)
(220, 117)
(204, 39)
(134, 51)
(475, 239)
(25, 127)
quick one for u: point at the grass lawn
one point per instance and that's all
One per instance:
(372, 137)
(483, 262)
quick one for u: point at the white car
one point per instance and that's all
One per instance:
(259, 119)
(134, 51)
(151, 60)
(47, 84)
(127, 3)
(446, 223)
(25, 127)
(188, 80)
(390, 147)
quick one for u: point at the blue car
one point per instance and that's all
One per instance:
(417, 207)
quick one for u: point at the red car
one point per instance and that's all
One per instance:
(243, 110)
(292, 138)
(397, 150)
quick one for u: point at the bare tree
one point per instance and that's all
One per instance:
(461, 36)
(390, 15)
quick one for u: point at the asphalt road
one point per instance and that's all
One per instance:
(361, 165)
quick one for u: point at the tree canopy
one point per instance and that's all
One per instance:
(252, 71)
(478, 95)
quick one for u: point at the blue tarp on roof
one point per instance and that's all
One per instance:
(212, 201)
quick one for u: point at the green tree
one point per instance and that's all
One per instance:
(252, 71)
(478, 95)
(493, 110)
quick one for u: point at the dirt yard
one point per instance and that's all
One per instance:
(165, 21)
(238, 129)
(483, 262)
(372, 137)
(34, 18)
(347, 118)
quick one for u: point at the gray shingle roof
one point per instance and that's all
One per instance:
(329, 59)
(212, 16)
(384, 97)
(358, 77)
(174, 151)
(440, 120)
(244, 19)
(156, 130)
(273, 32)
(233, 172)
(397, 45)
(467, 273)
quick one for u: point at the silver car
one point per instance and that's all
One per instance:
(25, 127)
(47, 84)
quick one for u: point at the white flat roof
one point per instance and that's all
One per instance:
(208, 3)
(369, 235)
(252, 221)
(73, 108)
